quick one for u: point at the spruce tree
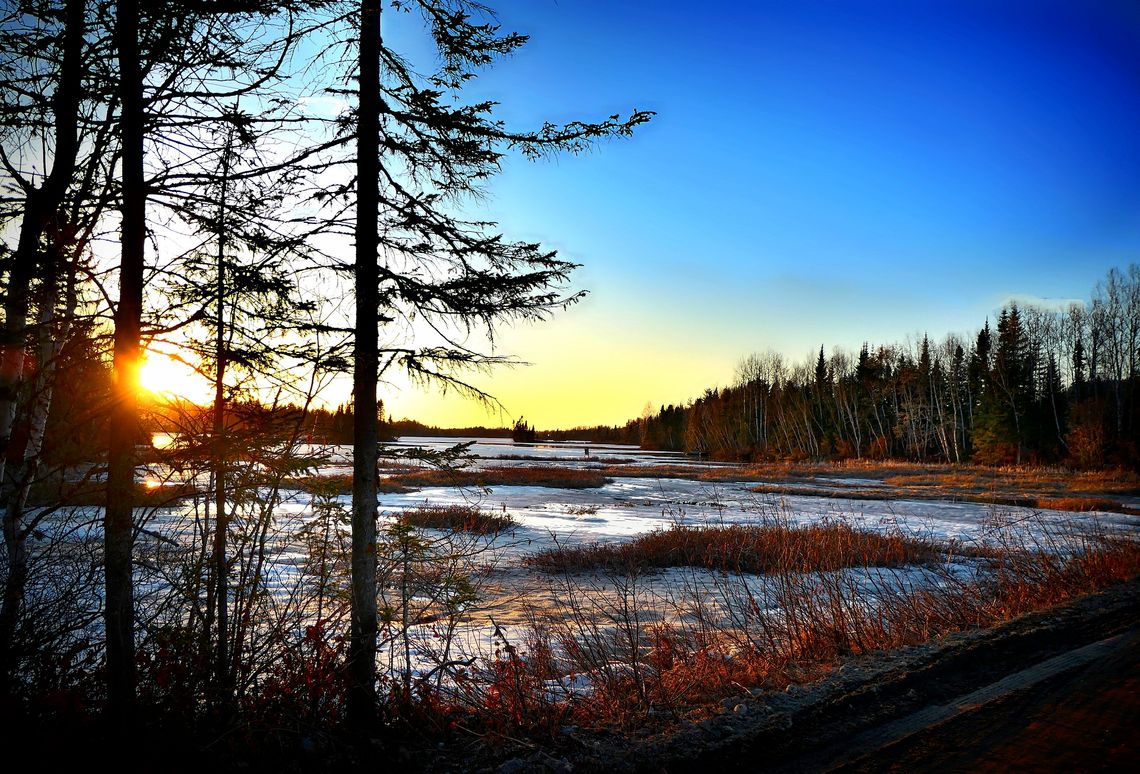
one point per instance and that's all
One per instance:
(419, 148)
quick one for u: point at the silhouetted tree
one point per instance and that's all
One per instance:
(46, 251)
(418, 148)
(118, 526)
(522, 432)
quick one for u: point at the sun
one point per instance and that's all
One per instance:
(166, 376)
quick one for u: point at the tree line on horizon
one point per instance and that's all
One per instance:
(1042, 385)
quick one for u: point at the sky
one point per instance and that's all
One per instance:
(818, 173)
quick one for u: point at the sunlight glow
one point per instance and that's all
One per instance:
(169, 377)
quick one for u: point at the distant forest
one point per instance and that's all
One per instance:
(335, 426)
(1037, 385)
(1041, 385)
(313, 425)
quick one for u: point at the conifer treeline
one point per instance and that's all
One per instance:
(1043, 385)
(325, 426)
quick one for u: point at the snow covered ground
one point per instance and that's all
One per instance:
(632, 506)
(508, 593)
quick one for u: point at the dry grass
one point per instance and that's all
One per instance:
(548, 476)
(458, 518)
(1051, 488)
(650, 661)
(760, 548)
(793, 627)
(1055, 481)
(1077, 504)
(612, 661)
(341, 484)
(912, 478)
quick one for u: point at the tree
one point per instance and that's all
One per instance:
(194, 52)
(1115, 319)
(231, 300)
(959, 391)
(118, 527)
(418, 149)
(523, 432)
(366, 372)
(46, 250)
(1013, 377)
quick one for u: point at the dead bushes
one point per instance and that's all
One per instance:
(749, 548)
(615, 651)
(457, 518)
(559, 478)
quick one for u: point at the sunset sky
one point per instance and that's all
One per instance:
(818, 173)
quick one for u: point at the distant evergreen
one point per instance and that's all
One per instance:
(1047, 386)
(523, 432)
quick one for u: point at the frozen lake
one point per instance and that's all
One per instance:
(506, 591)
(631, 505)
(503, 451)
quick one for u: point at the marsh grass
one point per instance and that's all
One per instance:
(458, 518)
(746, 609)
(760, 606)
(1077, 504)
(341, 484)
(614, 652)
(1050, 488)
(828, 593)
(548, 476)
(772, 546)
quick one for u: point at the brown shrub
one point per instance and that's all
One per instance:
(457, 518)
(1077, 504)
(341, 484)
(762, 548)
(561, 478)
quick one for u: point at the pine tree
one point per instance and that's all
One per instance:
(821, 370)
(1052, 410)
(419, 148)
(1007, 395)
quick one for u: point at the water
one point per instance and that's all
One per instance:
(505, 448)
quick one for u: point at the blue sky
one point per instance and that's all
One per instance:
(818, 173)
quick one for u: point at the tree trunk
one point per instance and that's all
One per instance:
(22, 468)
(221, 522)
(118, 527)
(362, 647)
(41, 205)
